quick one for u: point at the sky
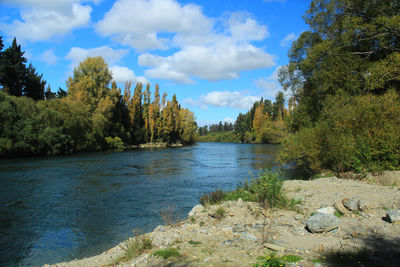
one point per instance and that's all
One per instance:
(217, 56)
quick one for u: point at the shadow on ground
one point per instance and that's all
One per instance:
(377, 251)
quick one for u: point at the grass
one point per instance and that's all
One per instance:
(272, 260)
(338, 214)
(135, 247)
(220, 213)
(167, 253)
(194, 243)
(267, 189)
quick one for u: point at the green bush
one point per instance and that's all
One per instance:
(114, 142)
(211, 198)
(354, 133)
(270, 261)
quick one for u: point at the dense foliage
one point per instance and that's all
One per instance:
(93, 116)
(344, 74)
(15, 77)
(263, 123)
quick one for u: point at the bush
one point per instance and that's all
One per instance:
(214, 197)
(136, 246)
(267, 188)
(358, 134)
(269, 261)
(114, 142)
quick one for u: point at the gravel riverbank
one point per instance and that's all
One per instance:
(364, 236)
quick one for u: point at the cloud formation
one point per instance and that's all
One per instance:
(270, 84)
(41, 20)
(110, 55)
(49, 57)
(141, 23)
(123, 74)
(288, 39)
(223, 99)
(204, 50)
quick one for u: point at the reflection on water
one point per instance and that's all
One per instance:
(62, 208)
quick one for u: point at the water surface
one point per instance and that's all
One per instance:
(62, 208)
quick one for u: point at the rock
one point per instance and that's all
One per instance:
(240, 200)
(298, 217)
(274, 247)
(361, 205)
(326, 210)
(340, 208)
(237, 229)
(319, 223)
(247, 236)
(320, 248)
(393, 216)
(195, 209)
(350, 204)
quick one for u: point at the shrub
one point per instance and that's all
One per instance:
(114, 142)
(170, 215)
(267, 188)
(220, 213)
(214, 197)
(136, 246)
(354, 133)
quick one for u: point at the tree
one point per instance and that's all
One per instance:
(352, 48)
(13, 69)
(90, 81)
(34, 85)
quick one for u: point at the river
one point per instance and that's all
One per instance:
(61, 208)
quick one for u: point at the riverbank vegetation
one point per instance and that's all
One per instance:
(263, 123)
(344, 76)
(92, 115)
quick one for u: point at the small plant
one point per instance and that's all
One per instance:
(269, 261)
(135, 246)
(192, 220)
(214, 197)
(167, 253)
(202, 223)
(291, 258)
(338, 214)
(170, 215)
(220, 213)
(194, 243)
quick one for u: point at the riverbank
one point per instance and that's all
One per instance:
(244, 231)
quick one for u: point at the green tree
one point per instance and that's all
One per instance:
(13, 70)
(34, 85)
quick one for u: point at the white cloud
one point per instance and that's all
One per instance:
(224, 99)
(49, 57)
(123, 74)
(139, 23)
(243, 28)
(223, 60)
(41, 20)
(229, 120)
(205, 50)
(269, 84)
(110, 55)
(288, 39)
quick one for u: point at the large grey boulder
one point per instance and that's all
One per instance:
(393, 216)
(320, 223)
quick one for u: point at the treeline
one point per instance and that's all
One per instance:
(214, 128)
(263, 123)
(93, 115)
(344, 74)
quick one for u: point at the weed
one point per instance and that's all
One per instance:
(220, 213)
(135, 247)
(167, 253)
(214, 197)
(170, 215)
(338, 214)
(385, 208)
(291, 258)
(201, 223)
(269, 261)
(194, 243)
(318, 260)
(192, 219)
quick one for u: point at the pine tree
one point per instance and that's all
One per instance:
(13, 70)
(34, 85)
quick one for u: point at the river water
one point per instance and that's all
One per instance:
(56, 209)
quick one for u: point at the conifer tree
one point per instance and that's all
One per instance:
(13, 70)
(34, 85)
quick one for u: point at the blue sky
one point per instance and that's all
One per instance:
(218, 57)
